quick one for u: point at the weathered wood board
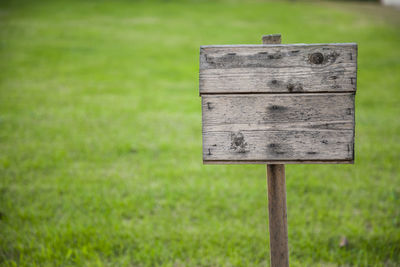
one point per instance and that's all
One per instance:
(278, 68)
(278, 103)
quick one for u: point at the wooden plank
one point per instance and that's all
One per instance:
(278, 68)
(278, 112)
(283, 127)
(278, 145)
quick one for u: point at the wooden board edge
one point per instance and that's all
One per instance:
(202, 93)
(279, 45)
(224, 162)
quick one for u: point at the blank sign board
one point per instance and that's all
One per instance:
(278, 103)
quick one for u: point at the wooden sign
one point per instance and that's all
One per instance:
(278, 104)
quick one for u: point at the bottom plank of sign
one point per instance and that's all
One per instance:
(279, 146)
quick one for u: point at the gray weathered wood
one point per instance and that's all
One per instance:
(278, 68)
(279, 145)
(278, 127)
(278, 111)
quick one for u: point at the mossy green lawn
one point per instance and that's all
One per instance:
(100, 139)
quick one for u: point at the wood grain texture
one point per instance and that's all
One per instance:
(278, 68)
(278, 233)
(282, 127)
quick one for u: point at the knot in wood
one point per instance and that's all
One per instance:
(317, 58)
(238, 143)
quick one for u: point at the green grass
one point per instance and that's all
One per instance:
(100, 139)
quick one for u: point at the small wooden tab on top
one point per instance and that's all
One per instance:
(272, 39)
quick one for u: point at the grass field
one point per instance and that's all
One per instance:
(100, 139)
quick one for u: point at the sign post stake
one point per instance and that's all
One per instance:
(278, 233)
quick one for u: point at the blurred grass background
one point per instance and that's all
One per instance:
(100, 138)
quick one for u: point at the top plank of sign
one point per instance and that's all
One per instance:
(289, 68)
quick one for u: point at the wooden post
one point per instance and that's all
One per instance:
(278, 233)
